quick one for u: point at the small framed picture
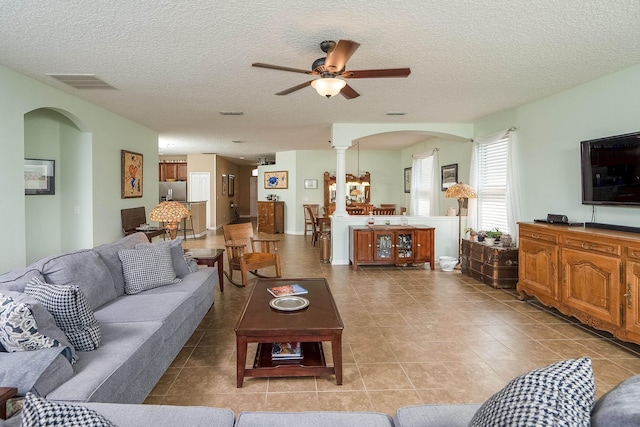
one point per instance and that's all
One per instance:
(232, 185)
(449, 176)
(310, 184)
(131, 179)
(276, 179)
(223, 184)
(407, 180)
(39, 177)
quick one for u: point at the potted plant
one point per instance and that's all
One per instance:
(481, 235)
(495, 233)
(471, 232)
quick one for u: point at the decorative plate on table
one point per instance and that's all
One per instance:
(289, 303)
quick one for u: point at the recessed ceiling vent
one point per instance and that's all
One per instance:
(396, 113)
(82, 81)
(232, 113)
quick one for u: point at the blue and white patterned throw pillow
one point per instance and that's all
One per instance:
(71, 311)
(19, 329)
(561, 394)
(42, 412)
(147, 268)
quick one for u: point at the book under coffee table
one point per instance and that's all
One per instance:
(259, 323)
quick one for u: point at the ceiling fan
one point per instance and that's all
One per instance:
(331, 67)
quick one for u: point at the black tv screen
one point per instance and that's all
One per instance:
(611, 170)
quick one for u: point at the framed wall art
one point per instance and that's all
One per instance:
(131, 178)
(39, 177)
(310, 184)
(449, 176)
(407, 180)
(232, 185)
(224, 184)
(276, 180)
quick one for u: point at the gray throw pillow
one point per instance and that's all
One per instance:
(619, 406)
(180, 265)
(147, 268)
(71, 312)
(19, 329)
(560, 394)
(42, 412)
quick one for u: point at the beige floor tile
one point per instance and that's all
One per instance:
(411, 336)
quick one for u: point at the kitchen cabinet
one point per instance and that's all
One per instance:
(592, 274)
(391, 245)
(271, 217)
(172, 171)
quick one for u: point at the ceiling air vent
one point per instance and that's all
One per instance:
(82, 81)
(396, 113)
(232, 113)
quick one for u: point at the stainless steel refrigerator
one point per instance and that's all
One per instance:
(173, 191)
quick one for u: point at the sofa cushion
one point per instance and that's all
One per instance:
(47, 370)
(560, 394)
(84, 269)
(110, 372)
(180, 265)
(16, 280)
(169, 309)
(313, 419)
(45, 322)
(42, 412)
(449, 415)
(619, 406)
(71, 311)
(19, 329)
(164, 415)
(147, 268)
(109, 254)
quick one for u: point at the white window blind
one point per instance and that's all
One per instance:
(423, 185)
(492, 185)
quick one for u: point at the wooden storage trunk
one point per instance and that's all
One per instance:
(495, 265)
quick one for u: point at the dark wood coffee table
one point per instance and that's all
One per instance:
(209, 257)
(318, 322)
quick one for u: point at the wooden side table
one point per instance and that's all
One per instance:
(6, 393)
(209, 257)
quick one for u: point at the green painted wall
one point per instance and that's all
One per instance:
(97, 200)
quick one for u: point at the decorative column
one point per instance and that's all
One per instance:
(341, 183)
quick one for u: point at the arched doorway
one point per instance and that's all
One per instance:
(60, 222)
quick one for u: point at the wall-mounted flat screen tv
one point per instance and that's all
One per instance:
(611, 170)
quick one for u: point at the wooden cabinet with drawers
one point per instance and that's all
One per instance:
(592, 274)
(391, 245)
(271, 217)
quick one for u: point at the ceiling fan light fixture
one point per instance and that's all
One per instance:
(328, 86)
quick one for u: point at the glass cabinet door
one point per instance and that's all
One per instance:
(384, 245)
(404, 245)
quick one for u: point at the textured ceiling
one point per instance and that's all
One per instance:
(176, 64)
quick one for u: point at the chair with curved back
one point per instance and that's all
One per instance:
(248, 254)
(355, 211)
(384, 211)
(308, 221)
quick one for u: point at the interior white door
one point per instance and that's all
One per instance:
(200, 190)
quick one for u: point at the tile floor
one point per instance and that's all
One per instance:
(411, 336)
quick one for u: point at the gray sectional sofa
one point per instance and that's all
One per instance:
(141, 333)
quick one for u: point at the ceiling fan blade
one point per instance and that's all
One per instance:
(367, 74)
(349, 93)
(338, 57)
(281, 68)
(295, 88)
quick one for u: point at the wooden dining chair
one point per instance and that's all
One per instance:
(248, 254)
(308, 221)
(384, 211)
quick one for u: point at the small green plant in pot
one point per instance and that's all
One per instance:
(495, 233)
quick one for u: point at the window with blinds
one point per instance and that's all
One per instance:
(423, 185)
(492, 185)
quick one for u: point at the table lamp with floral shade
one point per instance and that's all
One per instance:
(170, 213)
(460, 191)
